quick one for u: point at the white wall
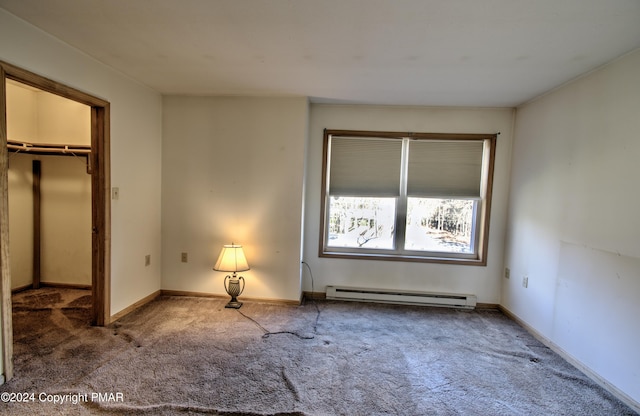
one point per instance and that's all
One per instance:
(484, 282)
(41, 117)
(136, 137)
(65, 195)
(574, 228)
(65, 224)
(20, 180)
(22, 112)
(232, 171)
(62, 121)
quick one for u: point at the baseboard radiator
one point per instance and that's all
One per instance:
(448, 300)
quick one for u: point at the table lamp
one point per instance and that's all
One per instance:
(232, 259)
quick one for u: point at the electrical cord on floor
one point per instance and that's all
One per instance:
(268, 333)
(313, 300)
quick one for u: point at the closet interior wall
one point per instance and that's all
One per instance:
(49, 141)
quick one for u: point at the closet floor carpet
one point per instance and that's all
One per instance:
(185, 355)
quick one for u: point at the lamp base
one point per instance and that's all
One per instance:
(234, 290)
(233, 305)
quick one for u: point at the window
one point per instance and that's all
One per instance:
(406, 196)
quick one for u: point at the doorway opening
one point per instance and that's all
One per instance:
(95, 155)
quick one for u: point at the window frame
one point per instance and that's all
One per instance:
(481, 219)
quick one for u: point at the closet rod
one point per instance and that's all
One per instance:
(78, 150)
(37, 148)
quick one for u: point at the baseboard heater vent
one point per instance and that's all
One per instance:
(401, 297)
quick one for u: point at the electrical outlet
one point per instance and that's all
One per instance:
(184, 257)
(507, 273)
(147, 260)
(115, 193)
(525, 282)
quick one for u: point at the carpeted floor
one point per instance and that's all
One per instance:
(180, 355)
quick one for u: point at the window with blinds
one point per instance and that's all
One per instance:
(407, 196)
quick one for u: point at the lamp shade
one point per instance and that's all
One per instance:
(231, 259)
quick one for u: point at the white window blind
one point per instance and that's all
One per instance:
(451, 168)
(364, 166)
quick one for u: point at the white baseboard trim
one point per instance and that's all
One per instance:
(575, 362)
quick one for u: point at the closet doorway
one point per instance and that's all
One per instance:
(86, 148)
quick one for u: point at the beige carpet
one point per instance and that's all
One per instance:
(192, 356)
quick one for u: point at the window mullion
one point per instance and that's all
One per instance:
(401, 204)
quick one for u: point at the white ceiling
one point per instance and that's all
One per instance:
(410, 52)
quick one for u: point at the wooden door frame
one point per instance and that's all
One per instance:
(100, 203)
